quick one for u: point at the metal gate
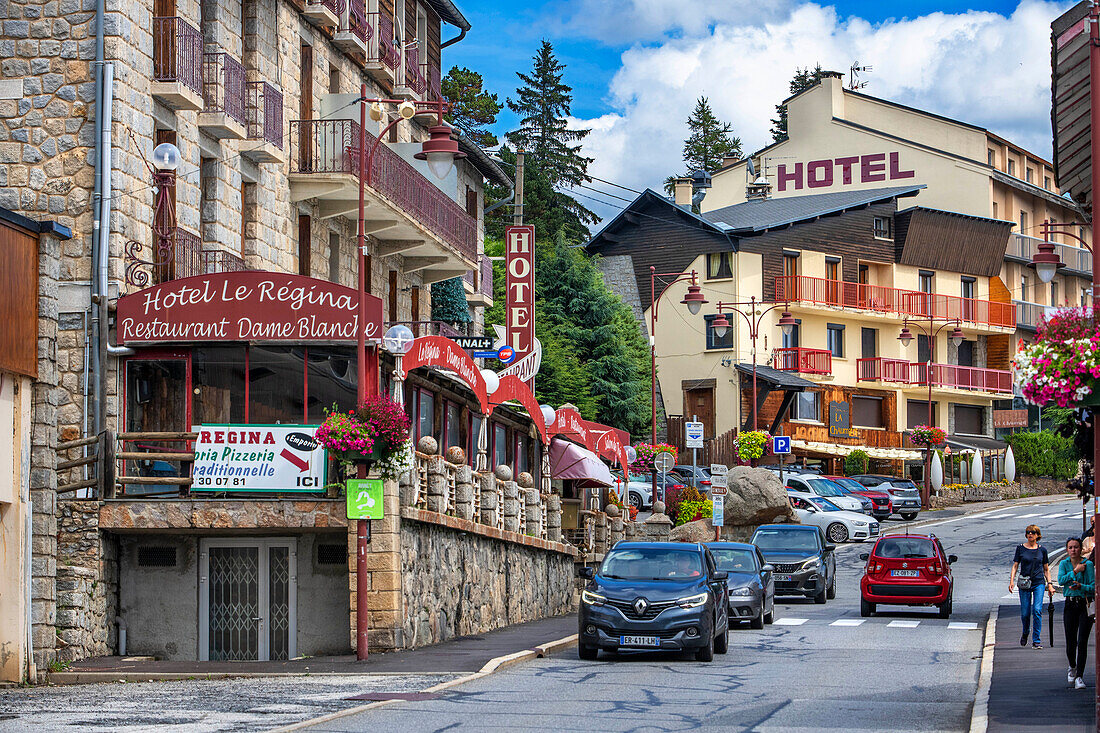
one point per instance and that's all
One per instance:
(247, 599)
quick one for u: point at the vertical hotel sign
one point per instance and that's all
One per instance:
(520, 301)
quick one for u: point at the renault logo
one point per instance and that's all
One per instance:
(640, 606)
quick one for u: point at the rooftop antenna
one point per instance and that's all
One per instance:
(853, 76)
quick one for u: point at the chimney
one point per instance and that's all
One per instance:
(682, 187)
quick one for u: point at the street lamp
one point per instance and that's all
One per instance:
(165, 161)
(694, 300)
(398, 340)
(720, 326)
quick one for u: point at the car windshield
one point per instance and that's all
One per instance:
(785, 539)
(904, 547)
(824, 505)
(824, 487)
(850, 484)
(735, 560)
(652, 563)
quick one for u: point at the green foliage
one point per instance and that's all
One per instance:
(752, 444)
(689, 511)
(710, 141)
(473, 109)
(449, 301)
(803, 80)
(551, 211)
(1044, 453)
(1056, 416)
(855, 463)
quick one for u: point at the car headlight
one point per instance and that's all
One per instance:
(813, 562)
(592, 599)
(692, 601)
(859, 524)
(746, 591)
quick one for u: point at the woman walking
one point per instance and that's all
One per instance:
(1075, 575)
(1031, 572)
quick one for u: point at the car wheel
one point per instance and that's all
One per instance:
(769, 617)
(757, 623)
(588, 652)
(636, 501)
(909, 516)
(830, 592)
(837, 533)
(705, 653)
(820, 597)
(945, 607)
(866, 608)
(722, 643)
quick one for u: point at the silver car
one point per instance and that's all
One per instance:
(750, 583)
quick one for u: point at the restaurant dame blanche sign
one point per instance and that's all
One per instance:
(246, 306)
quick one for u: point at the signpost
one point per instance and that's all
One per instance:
(719, 477)
(718, 491)
(693, 435)
(781, 444)
(258, 458)
(364, 498)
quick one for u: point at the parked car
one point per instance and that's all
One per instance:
(907, 570)
(750, 584)
(793, 470)
(839, 525)
(825, 487)
(635, 492)
(903, 493)
(804, 562)
(697, 476)
(881, 508)
(655, 595)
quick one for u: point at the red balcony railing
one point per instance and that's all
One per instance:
(804, 361)
(409, 75)
(223, 86)
(381, 46)
(911, 303)
(336, 6)
(877, 369)
(265, 113)
(355, 21)
(332, 146)
(481, 279)
(435, 84)
(962, 377)
(177, 52)
(214, 261)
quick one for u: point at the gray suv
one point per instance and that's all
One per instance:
(904, 495)
(804, 562)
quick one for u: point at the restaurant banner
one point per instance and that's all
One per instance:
(441, 352)
(513, 388)
(519, 242)
(258, 458)
(246, 306)
(1010, 418)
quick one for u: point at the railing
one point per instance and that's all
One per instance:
(215, 261)
(911, 303)
(381, 46)
(223, 85)
(409, 75)
(481, 280)
(1028, 314)
(1024, 247)
(878, 369)
(95, 460)
(962, 377)
(355, 21)
(435, 83)
(265, 113)
(429, 328)
(183, 260)
(332, 146)
(177, 53)
(805, 361)
(336, 6)
(153, 464)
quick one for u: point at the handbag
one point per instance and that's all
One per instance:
(1023, 582)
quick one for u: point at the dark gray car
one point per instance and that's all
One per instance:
(750, 583)
(805, 563)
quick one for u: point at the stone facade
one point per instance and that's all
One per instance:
(87, 583)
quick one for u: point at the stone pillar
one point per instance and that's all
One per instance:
(437, 485)
(407, 486)
(658, 526)
(630, 531)
(532, 512)
(383, 562)
(464, 492)
(490, 505)
(618, 531)
(553, 518)
(511, 506)
(601, 533)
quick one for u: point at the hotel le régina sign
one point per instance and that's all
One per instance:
(275, 458)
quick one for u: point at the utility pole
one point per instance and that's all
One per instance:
(517, 219)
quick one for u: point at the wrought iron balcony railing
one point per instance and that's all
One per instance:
(265, 113)
(177, 53)
(223, 86)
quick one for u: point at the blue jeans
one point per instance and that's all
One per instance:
(1031, 609)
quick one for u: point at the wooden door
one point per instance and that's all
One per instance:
(700, 403)
(306, 132)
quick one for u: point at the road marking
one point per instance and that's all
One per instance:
(1010, 595)
(848, 622)
(1056, 516)
(790, 621)
(1028, 516)
(902, 624)
(994, 516)
(963, 625)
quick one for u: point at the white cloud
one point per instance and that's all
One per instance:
(983, 68)
(618, 22)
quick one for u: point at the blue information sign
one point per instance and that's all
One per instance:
(781, 444)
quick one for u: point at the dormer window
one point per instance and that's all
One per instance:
(884, 227)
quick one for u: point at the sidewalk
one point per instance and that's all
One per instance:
(463, 655)
(1029, 690)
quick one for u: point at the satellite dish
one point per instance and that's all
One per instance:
(761, 181)
(751, 168)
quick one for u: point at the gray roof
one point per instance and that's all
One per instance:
(449, 13)
(778, 379)
(757, 216)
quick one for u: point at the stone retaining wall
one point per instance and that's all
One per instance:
(87, 583)
(1026, 486)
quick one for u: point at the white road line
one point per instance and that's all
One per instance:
(963, 625)
(902, 624)
(790, 621)
(994, 516)
(848, 622)
(1056, 516)
(1010, 595)
(1028, 516)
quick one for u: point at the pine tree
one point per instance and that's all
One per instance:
(710, 141)
(473, 109)
(449, 301)
(803, 80)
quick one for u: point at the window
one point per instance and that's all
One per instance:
(333, 79)
(718, 266)
(1028, 174)
(1046, 182)
(500, 445)
(1024, 288)
(869, 341)
(1054, 293)
(425, 414)
(924, 353)
(864, 275)
(867, 411)
(471, 202)
(926, 280)
(968, 285)
(884, 227)
(217, 381)
(422, 33)
(1011, 167)
(966, 354)
(248, 214)
(835, 334)
(523, 458)
(790, 264)
(332, 380)
(806, 406)
(303, 245)
(1023, 222)
(452, 425)
(832, 268)
(334, 257)
(472, 436)
(276, 376)
(791, 341)
(713, 340)
(917, 413)
(991, 157)
(969, 420)
(994, 209)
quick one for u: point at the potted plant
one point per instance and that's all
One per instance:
(752, 445)
(1062, 366)
(375, 434)
(928, 436)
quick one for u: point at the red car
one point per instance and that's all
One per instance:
(907, 570)
(882, 507)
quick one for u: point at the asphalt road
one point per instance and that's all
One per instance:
(817, 668)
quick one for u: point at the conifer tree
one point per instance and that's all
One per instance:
(473, 109)
(803, 80)
(449, 301)
(709, 142)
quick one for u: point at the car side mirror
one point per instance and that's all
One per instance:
(720, 575)
(952, 558)
(864, 556)
(767, 569)
(830, 548)
(589, 573)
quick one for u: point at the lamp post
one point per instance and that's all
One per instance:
(166, 160)
(906, 338)
(753, 318)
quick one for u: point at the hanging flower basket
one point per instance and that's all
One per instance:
(1062, 366)
(375, 434)
(928, 435)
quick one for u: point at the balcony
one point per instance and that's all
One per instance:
(1028, 314)
(479, 284)
(353, 33)
(1076, 259)
(177, 64)
(803, 361)
(187, 258)
(223, 95)
(215, 261)
(405, 210)
(893, 302)
(408, 80)
(264, 113)
(944, 376)
(429, 328)
(383, 53)
(324, 13)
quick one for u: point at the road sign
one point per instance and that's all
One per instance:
(718, 476)
(478, 343)
(718, 502)
(693, 435)
(365, 498)
(781, 444)
(664, 462)
(505, 353)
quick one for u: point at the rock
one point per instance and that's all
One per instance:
(756, 496)
(698, 531)
(612, 511)
(503, 472)
(525, 480)
(658, 507)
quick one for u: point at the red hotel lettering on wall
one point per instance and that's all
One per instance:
(820, 173)
(520, 288)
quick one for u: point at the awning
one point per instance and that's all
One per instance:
(571, 461)
(836, 449)
(975, 442)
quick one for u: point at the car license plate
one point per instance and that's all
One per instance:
(783, 578)
(638, 641)
(909, 503)
(905, 573)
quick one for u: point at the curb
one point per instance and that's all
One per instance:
(493, 665)
(979, 716)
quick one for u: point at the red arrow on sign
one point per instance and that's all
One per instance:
(303, 466)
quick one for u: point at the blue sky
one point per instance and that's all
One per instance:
(637, 66)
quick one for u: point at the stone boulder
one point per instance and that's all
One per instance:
(755, 497)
